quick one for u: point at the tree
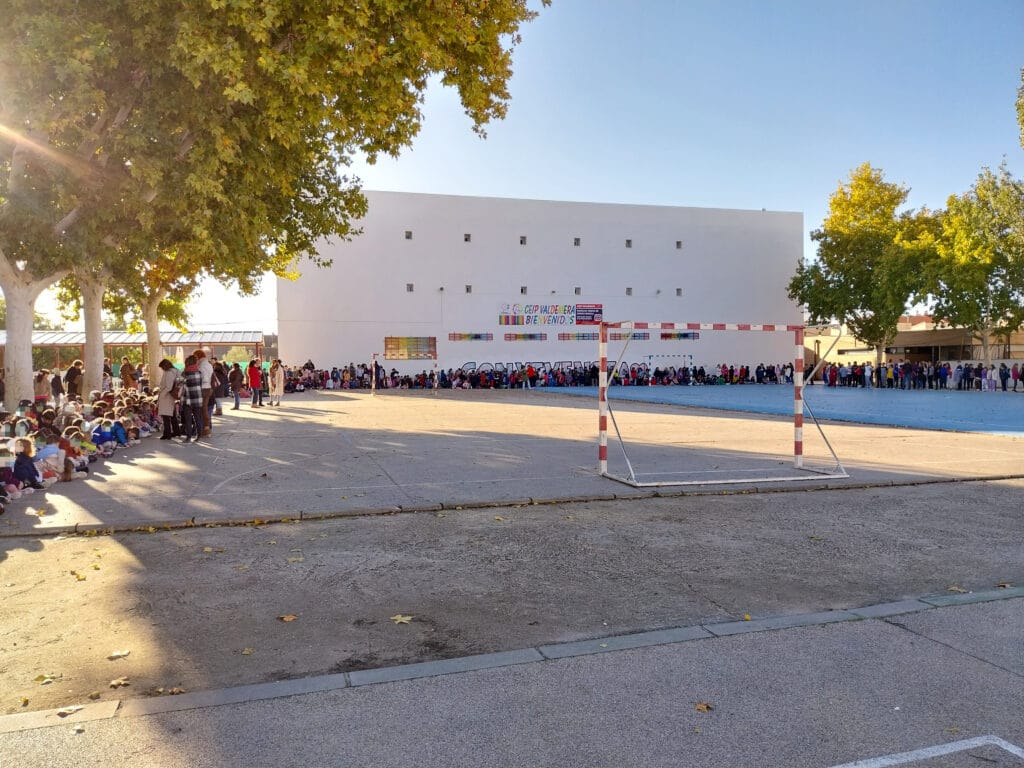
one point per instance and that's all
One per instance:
(869, 259)
(1020, 107)
(977, 279)
(218, 110)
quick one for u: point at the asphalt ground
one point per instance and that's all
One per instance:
(480, 516)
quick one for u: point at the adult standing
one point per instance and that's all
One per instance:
(276, 382)
(73, 379)
(128, 379)
(206, 375)
(41, 387)
(56, 389)
(237, 380)
(1014, 373)
(166, 400)
(191, 400)
(255, 375)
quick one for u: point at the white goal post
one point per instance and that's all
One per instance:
(799, 406)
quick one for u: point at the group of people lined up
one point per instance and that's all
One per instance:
(903, 374)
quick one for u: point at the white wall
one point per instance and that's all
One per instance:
(733, 267)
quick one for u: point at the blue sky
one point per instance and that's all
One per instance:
(722, 104)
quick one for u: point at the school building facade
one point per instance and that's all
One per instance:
(478, 282)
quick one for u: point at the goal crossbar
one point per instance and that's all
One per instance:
(605, 412)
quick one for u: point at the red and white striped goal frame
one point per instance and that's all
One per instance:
(798, 374)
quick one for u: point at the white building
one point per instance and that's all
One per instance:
(488, 281)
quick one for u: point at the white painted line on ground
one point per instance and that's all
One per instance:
(936, 751)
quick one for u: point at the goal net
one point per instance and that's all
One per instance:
(662, 445)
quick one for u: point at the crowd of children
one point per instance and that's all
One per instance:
(46, 441)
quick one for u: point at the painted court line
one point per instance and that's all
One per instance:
(937, 751)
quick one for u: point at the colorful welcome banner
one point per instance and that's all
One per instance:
(550, 314)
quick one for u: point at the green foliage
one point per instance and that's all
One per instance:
(163, 141)
(977, 281)
(870, 258)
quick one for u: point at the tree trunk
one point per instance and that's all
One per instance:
(20, 292)
(151, 318)
(92, 290)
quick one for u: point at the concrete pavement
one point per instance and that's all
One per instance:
(906, 689)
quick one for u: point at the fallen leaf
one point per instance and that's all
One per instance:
(95, 566)
(287, 617)
(241, 567)
(78, 576)
(499, 518)
(78, 729)
(46, 679)
(815, 538)
(150, 529)
(257, 521)
(286, 519)
(955, 588)
(746, 617)
(703, 706)
(296, 549)
(119, 682)
(117, 655)
(94, 695)
(213, 549)
(399, 618)
(603, 645)
(24, 702)
(69, 710)
(296, 559)
(176, 691)
(1004, 585)
(248, 651)
(952, 731)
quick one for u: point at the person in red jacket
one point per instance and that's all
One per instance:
(255, 376)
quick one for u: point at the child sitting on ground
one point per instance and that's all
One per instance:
(25, 470)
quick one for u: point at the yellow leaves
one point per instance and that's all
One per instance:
(746, 617)
(288, 617)
(214, 549)
(119, 682)
(115, 655)
(95, 566)
(24, 701)
(94, 696)
(959, 590)
(248, 651)
(241, 567)
(1004, 585)
(46, 679)
(399, 618)
(298, 559)
(704, 706)
(499, 518)
(169, 691)
(78, 576)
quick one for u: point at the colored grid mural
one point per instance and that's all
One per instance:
(410, 347)
(470, 337)
(526, 337)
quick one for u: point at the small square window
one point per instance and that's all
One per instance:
(679, 245)
(679, 291)
(629, 243)
(408, 287)
(577, 290)
(522, 241)
(467, 237)
(629, 291)
(469, 289)
(408, 234)
(522, 289)
(576, 241)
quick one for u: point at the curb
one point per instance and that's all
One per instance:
(25, 721)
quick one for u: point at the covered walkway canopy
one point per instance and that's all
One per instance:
(70, 345)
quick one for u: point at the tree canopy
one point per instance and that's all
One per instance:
(869, 257)
(977, 278)
(210, 136)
